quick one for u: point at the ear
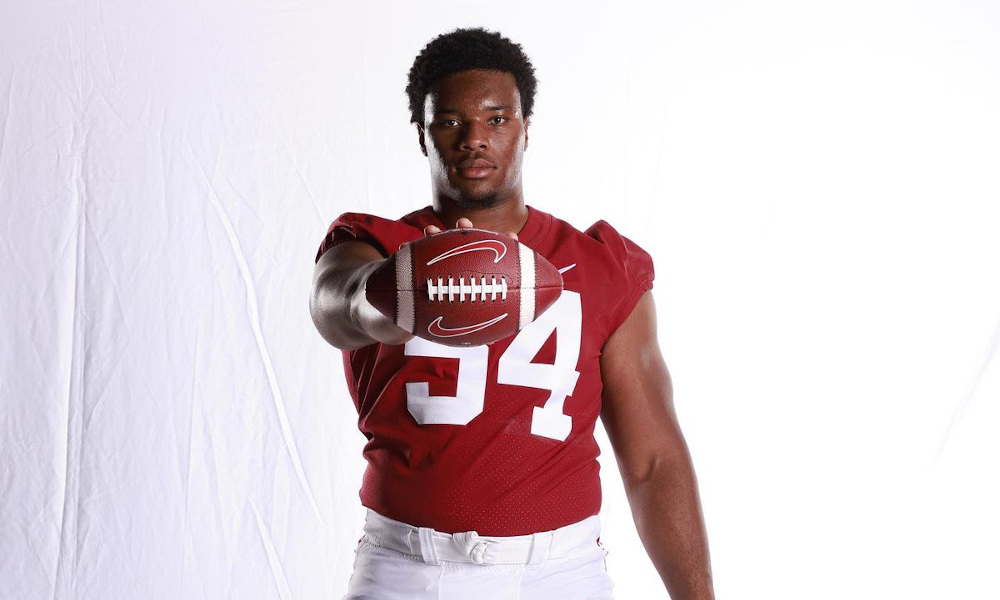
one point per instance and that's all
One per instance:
(420, 138)
(526, 123)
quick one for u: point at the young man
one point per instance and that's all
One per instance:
(499, 496)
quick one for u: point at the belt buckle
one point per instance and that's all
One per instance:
(473, 545)
(478, 552)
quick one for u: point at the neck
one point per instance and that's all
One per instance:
(506, 216)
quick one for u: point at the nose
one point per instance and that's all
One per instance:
(474, 136)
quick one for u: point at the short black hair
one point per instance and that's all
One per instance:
(464, 50)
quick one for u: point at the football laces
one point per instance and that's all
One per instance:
(441, 290)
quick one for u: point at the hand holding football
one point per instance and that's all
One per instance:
(464, 287)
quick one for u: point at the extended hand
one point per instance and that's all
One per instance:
(463, 222)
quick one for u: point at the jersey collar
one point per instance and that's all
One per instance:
(534, 228)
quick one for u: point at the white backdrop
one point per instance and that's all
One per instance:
(817, 183)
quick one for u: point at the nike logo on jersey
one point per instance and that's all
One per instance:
(437, 330)
(564, 269)
(494, 246)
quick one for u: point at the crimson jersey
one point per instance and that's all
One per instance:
(500, 438)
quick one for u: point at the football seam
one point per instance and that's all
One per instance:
(406, 307)
(526, 272)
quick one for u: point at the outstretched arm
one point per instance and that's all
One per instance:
(339, 308)
(338, 305)
(638, 414)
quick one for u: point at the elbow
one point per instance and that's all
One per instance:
(325, 317)
(641, 471)
(668, 464)
(335, 336)
(321, 320)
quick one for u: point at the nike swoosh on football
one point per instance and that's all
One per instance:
(495, 246)
(437, 330)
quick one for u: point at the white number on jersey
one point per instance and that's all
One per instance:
(469, 395)
(564, 317)
(515, 367)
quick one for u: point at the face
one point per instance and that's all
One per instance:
(474, 137)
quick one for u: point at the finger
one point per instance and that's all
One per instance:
(513, 235)
(463, 222)
(431, 230)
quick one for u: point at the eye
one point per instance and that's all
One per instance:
(450, 122)
(498, 119)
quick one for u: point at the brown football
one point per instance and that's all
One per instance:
(464, 287)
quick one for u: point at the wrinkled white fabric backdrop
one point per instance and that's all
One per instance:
(817, 184)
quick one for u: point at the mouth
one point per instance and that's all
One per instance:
(475, 168)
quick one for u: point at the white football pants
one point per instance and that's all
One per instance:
(397, 561)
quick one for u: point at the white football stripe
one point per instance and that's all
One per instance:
(464, 330)
(527, 258)
(405, 306)
(496, 246)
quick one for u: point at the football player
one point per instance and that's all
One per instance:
(482, 478)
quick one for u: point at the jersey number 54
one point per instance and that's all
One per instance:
(514, 368)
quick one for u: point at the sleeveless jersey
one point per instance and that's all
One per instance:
(497, 438)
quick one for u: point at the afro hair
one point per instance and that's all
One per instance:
(464, 50)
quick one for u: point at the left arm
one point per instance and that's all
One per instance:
(638, 414)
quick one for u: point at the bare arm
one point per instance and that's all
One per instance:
(338, 305)
(638, 413)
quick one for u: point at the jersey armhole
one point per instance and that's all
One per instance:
(629, 305)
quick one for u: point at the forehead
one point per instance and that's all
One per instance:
(471, 90)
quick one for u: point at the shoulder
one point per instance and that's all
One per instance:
(608, 268)
(604, 232)
(616, 244)
(635, 262)
(605, 248)
(634, 272)
(386, 235)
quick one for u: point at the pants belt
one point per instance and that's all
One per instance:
(469, 547)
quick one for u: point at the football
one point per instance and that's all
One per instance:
(464, 287)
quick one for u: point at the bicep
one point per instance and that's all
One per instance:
(343, 257)
(637, 402)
